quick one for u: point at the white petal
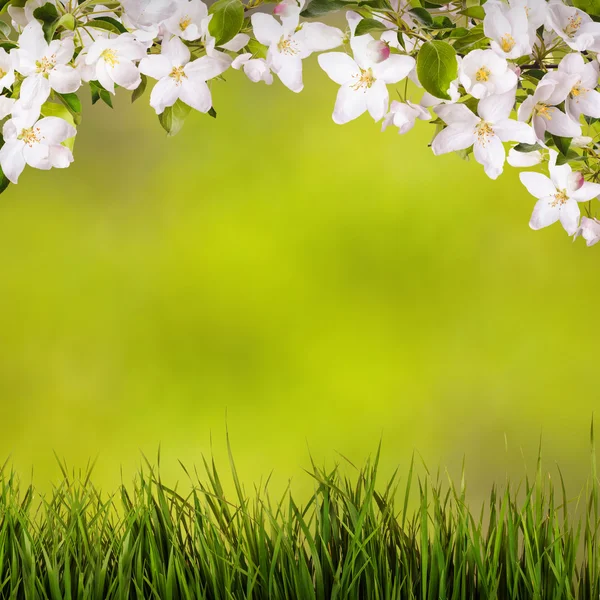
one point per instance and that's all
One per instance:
(164, 94)
(266, 28)
(588, 191)
(37, 156)
(12, 160)
(568, 215)
(319, 37)
(544, 213)
(156, 66)
(60, 157)
(64, 79)
(523, 159)
(491, 155)
(394, 69)
(206, 67)
(237, 43)
(176, 51)
(349, 105)
(452, 139)
(560, 124)
(378, 99)
(195, 93)
(498, 107)
(55, 130)
(33, 41)
(291, 74)
(340, 67)
(509, 130)
(35, 90)
(126, 75)
(538, 185)
(457, 114)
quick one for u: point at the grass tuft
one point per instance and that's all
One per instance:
(353, 539)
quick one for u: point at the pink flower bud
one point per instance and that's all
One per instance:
(282, 9)
(378, 51)
(576, 180)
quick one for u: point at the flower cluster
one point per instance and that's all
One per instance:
(522, 73)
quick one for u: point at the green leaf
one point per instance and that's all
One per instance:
(443, 22)
(5, 29)
(49, 17)
(257, 49)
(527, 147)
(591, 7)
(562, 144)
(473, 12)
(99, 93)
(67, 21)
(422, 15)
(367, 25)
(437, 68)
(139, 91)
(173, 118)
(227, 20)
(473, 40)
(107, 24)
(72, 101)
(318, 8)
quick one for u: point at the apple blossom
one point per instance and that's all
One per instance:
(484, 73)
(34, 142)
(180, 78)
(589, 230)
(256, 69)
(558, 195)
(508, 28)
(44, 66)
(485, 131)
(404, 116)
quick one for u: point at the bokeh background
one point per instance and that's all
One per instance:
(313, 288)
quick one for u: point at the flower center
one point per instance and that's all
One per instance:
(560, 198)
(543, 110)
(3, 73)
(287, 46)
(507, 42)
(45, 65)
(30, 136)
(482, 74)
(484, 132)
(185, 23)
(110, 57)
(364, 81)
(178, 74)
(577, 90)
(573, 25)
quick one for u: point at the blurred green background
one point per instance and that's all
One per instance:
(315, 288)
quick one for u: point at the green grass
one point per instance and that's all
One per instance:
(355, 538)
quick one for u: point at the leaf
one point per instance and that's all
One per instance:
(562, 144)
(443, 22)
(318, 8)
(367, 25)
(5, 29)
(422, 15)
(527, 147)
(73, 103)
(139, 91)
(67, 21)
(49, 17)
(437, 67)
(99, 93)
(473, 12)
(227, 20)
(591, 7)
(173, 118)
(107, 24)
(257, 49)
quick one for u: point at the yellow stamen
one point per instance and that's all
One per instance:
(507, 42)
(560, 198)
(110, 57)
(482, 74)
(484, 132)
(573, 25)
(185, 23)
(3, 73)
(365, 80)
(178, 74)
(577, 90)
(45, 65)
(287, 46)
(30, 136)
(543, 110)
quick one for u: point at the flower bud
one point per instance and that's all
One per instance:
(378, 51)
(589, 231)
(581, 141)
(282, 9)
(576, 180)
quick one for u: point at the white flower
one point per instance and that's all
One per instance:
(485, 132)
(289, 46)
(558, 195)
(256, 69)
(44, 66)
(7, 71)
(508, 28)
(523, 159)
(579, 79)
(23, 15)
(111, 61)
(541, 107)
(37, 143)
(186, 20)
(404, 116)
(537, 11)
(484, 73)
(574, 26)
(178, 78)
(589, 230)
